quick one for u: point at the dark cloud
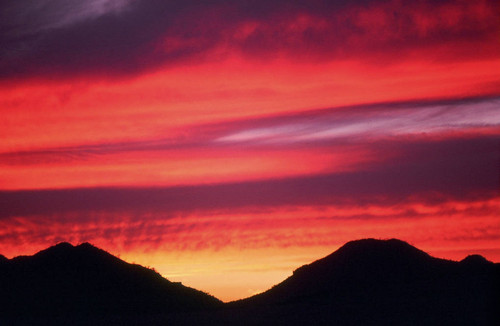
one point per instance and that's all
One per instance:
(113, 42)
(110, 38)
(436, 171)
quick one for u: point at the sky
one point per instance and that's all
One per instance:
(227, 143)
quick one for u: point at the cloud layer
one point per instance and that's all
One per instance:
(109, 38)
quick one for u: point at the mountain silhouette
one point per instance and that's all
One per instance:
(365, 282)
(381, 282)
(83, 283)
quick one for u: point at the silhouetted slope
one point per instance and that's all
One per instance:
(87, 281)
(380, 282)
(475, 260)
(365, 282)
(362, 265)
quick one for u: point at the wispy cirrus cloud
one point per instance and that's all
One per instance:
(29, 18)
(365, 122)
(360, 123)
(323, 142)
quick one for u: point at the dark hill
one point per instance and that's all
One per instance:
(85, 282)
(364, 265)
(365, 282)
(475, 260)
(379, 282)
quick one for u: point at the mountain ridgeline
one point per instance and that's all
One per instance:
(375, 282)
(387, 282)
(87, 283)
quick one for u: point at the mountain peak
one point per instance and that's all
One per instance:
(376, 247)
(475, 260)
(377, 244)
(386, 280)
(84, 279)
(61, 246)
(360, 264)
(368, 253)
(65, 250)
(86, 245)
(60, 249)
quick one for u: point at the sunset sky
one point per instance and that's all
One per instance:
(226, 143)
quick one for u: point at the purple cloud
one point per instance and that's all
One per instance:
(122, 37)
(435, 171)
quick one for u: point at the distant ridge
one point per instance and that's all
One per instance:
(380, 282)
(366, 262)
(66, 280)
(365, 282)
